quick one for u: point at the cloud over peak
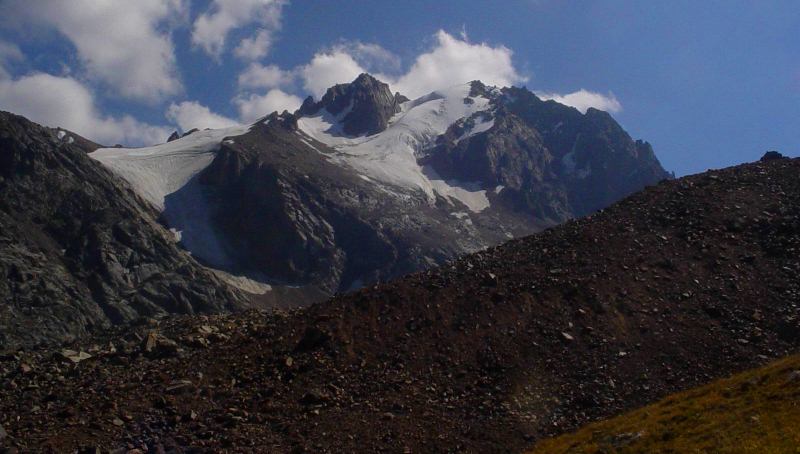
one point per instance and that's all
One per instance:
(584, 99)
(191, 114)
(454, 61)
(450, 61)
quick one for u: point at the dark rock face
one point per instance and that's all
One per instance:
(78, 250)
(311, 222)
(366, 103)
(772, 155)
(551, 158)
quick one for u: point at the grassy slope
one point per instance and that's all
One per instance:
(757, 411)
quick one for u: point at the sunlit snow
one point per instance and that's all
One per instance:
(160, 170)
(391, 156)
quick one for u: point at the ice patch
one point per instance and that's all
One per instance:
(470, 194)
(308, 142)
(62, 135)
(568, 162)
(244, 283)
(484, 124)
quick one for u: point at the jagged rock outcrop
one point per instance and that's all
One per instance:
(79, 251)
(365, 105)
(583, 162)
(596, 160)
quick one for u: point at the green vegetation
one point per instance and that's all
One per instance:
(757, 411)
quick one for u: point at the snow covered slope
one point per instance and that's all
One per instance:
(166, 176)
(158, 171)
(391, 155)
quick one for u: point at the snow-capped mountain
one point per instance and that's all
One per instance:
(364, 185)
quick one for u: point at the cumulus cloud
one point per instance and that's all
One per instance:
(372, 57)
(211, 29)
(65, 102)
(584, 99)
(256, 47)
(327, 69)
(259, 76)
(255, 106)
(191, 114)
(455, 61)
(121, 43)
(451, 61)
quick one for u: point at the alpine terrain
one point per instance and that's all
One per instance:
(361, 186)
(682, 283)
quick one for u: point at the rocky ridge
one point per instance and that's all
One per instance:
(79, 251)
(679, 284)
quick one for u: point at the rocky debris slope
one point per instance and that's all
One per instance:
(79, 251)
(677, 285)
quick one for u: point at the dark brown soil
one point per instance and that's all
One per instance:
(679, 284)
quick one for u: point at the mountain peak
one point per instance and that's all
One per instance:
(366, 79)
(365, 105)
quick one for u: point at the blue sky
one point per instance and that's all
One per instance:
(709, 84)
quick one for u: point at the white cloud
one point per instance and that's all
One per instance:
(121, 43)
(343, 62)
(259, 76)
(372, 57)
(328, 69)
(256, 47)
(254, 106)
(584, 99)
(450, 62)
(190, 114)
(211, 29)
(455, 61)
(65, 102)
